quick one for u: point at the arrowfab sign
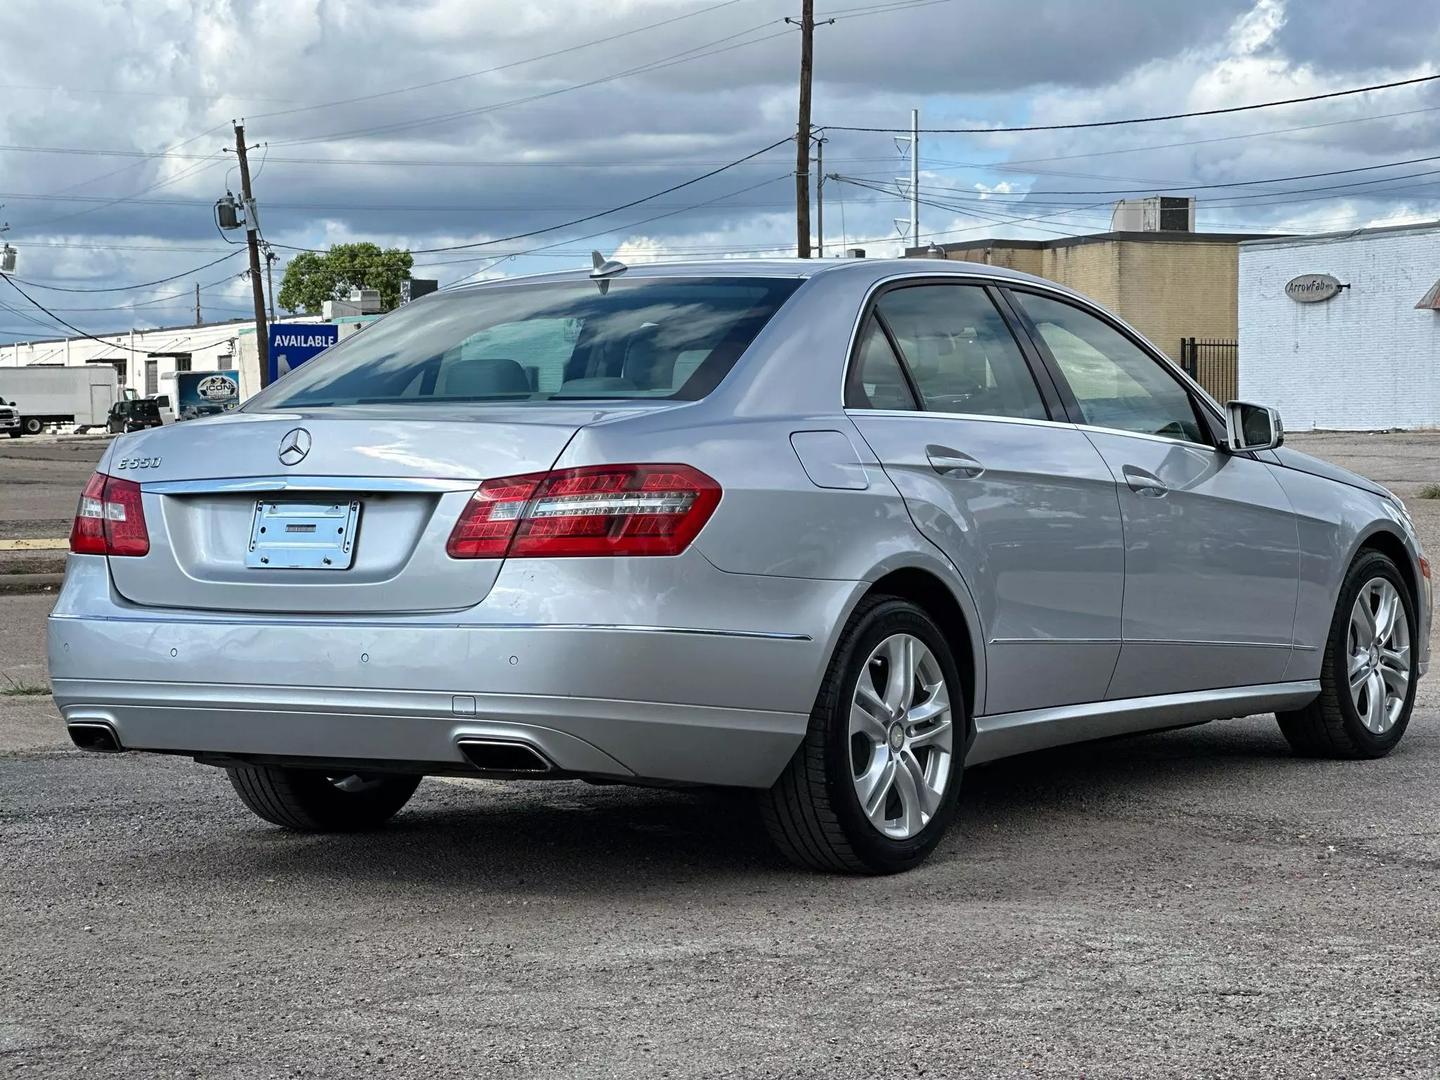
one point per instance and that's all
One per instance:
(1312, 288)
(291, 344)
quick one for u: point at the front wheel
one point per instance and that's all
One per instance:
(32, 425)
(874, 785)
(309, 800)
(1367, 679)
(15, 433)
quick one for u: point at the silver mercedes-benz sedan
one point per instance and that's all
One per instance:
(830, 531)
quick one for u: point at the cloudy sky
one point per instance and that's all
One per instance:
(436, 123)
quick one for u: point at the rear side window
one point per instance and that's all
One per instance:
(876, 381)
(647, 338)
(960, 351)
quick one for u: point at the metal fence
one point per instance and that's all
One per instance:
(1215, 365)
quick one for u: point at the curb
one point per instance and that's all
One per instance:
(21, 584)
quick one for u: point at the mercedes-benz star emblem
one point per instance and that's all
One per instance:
(294, 445)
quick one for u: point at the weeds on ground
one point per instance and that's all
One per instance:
(13, 687)
(1430, 491)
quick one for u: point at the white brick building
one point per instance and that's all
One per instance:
(1365, 359)
(148, 359)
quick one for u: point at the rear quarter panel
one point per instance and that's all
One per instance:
(772, 519)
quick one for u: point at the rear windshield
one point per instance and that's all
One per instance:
(645, 338)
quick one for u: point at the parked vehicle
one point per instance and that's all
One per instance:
(10, 419)
(55, 394)
(134, 414)
(830, 531)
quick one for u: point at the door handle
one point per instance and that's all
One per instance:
(949, 462)
(1144, 483)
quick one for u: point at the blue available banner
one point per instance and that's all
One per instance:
(291, 344)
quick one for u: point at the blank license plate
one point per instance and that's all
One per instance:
(303, 536)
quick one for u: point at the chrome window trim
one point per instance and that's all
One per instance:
(857, 413)
(1166, 439)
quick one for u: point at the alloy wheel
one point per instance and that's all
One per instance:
(1378, 652)
(901, 736)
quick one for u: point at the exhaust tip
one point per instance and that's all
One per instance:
(505, 756)
(96, 736)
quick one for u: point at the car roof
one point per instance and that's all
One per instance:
(792, 268)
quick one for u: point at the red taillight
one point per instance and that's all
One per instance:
(110, 519)
(597, 510)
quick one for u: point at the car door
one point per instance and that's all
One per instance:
(1211, 549)
(944, 392)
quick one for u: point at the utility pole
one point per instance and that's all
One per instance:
(915, 178)
(802, 129)
(807, 25)
(252, 238)
(197, 303)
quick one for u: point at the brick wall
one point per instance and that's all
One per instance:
(1366, 359)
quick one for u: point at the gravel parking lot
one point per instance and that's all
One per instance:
(1195, 903)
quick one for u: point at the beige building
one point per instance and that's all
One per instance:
(1169, 285)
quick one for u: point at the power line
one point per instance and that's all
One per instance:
(579, 220)
(499, 67)
(684, 57)
(67, 325)
(1144, 119)
(621, 228)
(1216, 186)
(127, 288)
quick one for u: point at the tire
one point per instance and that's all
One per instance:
(32, 425)
(1332, 725)
(16, 433)
(814, 812)
(309, 800)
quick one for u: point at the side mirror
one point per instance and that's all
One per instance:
(1252, 427)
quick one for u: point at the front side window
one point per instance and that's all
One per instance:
(646, 338)
(960, 351)
(1116, 383)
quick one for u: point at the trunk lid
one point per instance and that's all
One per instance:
(408, 472)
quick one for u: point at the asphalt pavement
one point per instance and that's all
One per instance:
(1195, 903)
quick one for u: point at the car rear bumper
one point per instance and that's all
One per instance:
(680, 704)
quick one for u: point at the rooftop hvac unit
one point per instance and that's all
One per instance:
(1155, 213)
(367, 300)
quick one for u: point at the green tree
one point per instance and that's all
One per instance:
(313, 277)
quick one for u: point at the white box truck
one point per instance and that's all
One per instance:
(54, 394)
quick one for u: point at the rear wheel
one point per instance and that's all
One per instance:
(874, 785)
(309, 800)
(1367, 680)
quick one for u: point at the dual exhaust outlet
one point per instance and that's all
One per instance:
(497, 757)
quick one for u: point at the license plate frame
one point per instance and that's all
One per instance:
(311, 535)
